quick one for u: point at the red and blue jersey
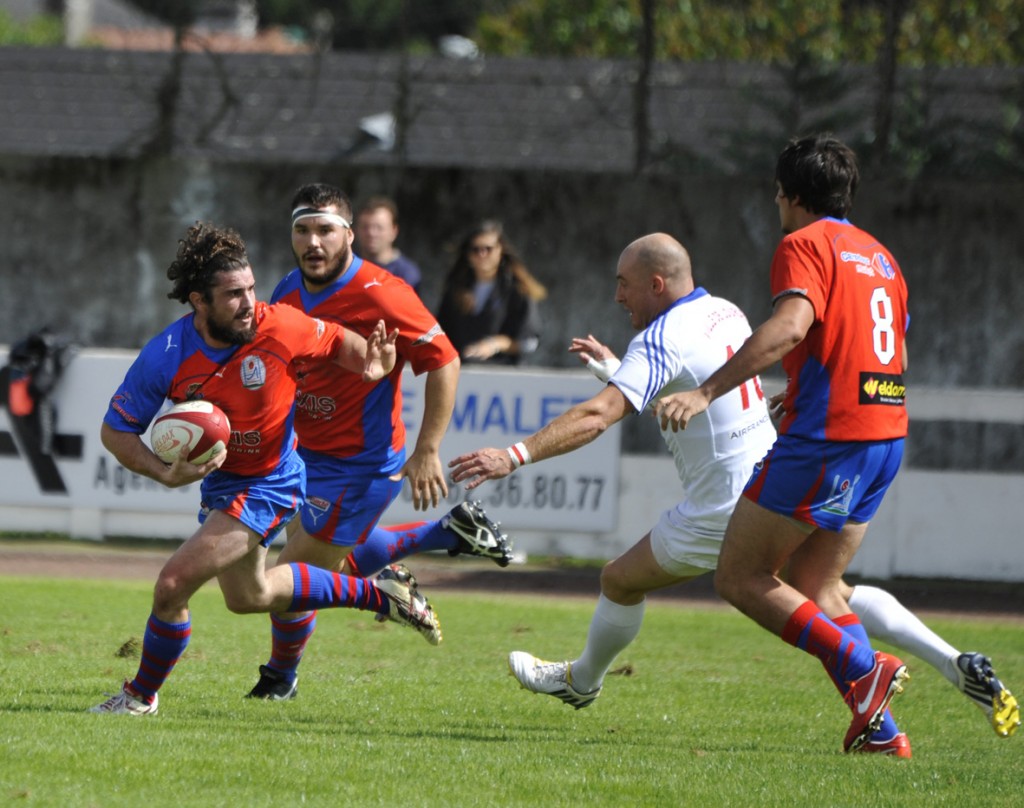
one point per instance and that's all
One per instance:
(845, 379)
(254, 383)
(339, 414)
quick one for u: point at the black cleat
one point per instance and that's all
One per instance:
(273, 686)
(979, 683)
(477, 534)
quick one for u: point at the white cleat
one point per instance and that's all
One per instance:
(124, 703)
(549, 678)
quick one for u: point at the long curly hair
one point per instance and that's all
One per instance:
(205, 251)
(460, 280)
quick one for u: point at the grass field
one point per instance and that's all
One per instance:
(713, 712)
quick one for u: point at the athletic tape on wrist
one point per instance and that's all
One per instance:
(604, 369)
(519, 454)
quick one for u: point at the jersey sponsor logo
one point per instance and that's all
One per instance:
(739, 433)
(854, 258)
(169, 344)
(316, 406)
(841, 496)
(429, 336)
(884, 267)
(254, 373)
(882, 388)
(878, 264)
(249, 443)
(116, 406)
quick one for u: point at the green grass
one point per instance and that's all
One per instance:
(715, 712)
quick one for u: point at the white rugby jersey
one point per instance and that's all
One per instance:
(717, 451)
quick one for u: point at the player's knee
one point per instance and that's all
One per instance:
(610, 586)
(616, 584)
(246, 601)
(727, 585)
(170, 593)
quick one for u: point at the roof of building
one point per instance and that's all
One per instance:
(487, 113)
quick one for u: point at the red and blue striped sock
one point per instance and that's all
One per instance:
(851, 624)
(386, 545)
(316, 588)
(844, 657)
(162, 646)
(288, 640)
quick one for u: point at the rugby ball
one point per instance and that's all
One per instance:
(200, 425)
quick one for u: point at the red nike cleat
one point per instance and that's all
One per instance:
(897, 746)
(870, 695)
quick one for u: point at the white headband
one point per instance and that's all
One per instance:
(309, 213)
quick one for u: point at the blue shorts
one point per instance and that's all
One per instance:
(262, 504)
(825, 483)
(344, 502)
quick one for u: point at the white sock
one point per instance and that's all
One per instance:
(612, 628)
(885, 618)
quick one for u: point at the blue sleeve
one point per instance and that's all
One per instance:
(282, 288)
(142, 393)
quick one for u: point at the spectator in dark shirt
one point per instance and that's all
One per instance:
(489, 302)
(376, 228)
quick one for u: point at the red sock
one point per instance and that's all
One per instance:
(843, 656)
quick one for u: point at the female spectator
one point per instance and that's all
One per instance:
(489, 303)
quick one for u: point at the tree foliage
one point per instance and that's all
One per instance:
(43, 30)
(931, 32)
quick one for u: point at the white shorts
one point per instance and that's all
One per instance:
(684, 547)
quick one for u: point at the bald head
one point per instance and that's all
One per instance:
(660, 254)
(653, 273)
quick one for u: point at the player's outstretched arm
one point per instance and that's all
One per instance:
(476, 468)
(131, 452)
(372, 358)
(599, 358)
(574, 428)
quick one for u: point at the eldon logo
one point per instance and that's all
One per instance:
(882, 388)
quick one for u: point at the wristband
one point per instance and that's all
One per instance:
(519, 454)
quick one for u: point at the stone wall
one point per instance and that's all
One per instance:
(84, 246)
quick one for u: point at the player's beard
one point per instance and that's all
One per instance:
(330, 274)
(223, 332)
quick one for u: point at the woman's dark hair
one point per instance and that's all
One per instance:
(461, 279)
(821, 172)
(205, 251)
